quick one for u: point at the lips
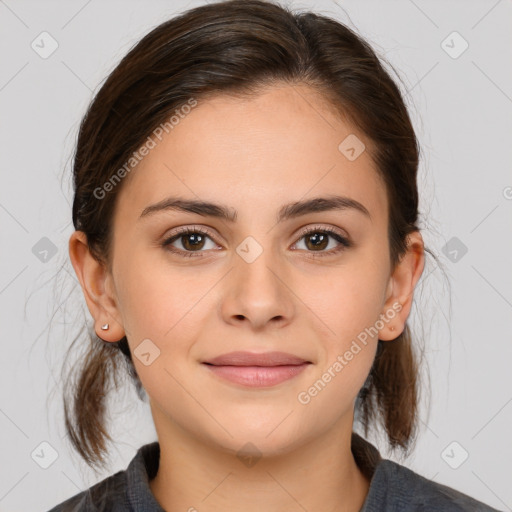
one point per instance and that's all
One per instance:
(252, 359)
(248, 369)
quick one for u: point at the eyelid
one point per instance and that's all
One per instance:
(320, 227)
(206, 231)
(183, 230)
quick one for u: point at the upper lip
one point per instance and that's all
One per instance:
(251, 359)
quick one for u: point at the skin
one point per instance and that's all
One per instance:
(253, 155)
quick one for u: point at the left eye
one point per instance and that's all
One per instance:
(318, 239)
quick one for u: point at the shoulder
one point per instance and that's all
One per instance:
(125, 490)
(108, 494)
(403, 489)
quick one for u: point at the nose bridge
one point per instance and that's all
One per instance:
(256, 264)
(256, 286)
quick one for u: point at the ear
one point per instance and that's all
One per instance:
(401, 286)
(97, 287)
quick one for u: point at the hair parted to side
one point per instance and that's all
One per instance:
(239, 47)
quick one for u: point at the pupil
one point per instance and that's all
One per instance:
(193, 240)
(320, 239)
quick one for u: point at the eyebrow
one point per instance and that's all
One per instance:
(288, 211)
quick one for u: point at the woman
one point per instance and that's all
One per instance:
(246, 242)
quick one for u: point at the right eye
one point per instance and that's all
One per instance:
(191, 239)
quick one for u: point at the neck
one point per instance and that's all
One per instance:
(321, 475)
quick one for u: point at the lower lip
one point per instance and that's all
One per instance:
(257, 376)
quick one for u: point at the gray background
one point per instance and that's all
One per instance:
(462, 111)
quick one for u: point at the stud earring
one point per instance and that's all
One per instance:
(391, 328)
(104, 327)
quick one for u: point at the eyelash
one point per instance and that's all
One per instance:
(344, 242)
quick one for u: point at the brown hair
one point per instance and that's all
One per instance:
(237, 47)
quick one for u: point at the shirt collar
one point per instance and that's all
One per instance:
(144, 467)
(140, 471)
(367, 457)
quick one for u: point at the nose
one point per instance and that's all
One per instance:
(256, 290)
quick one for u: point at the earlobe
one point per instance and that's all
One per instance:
(93, 277)
(401, 287)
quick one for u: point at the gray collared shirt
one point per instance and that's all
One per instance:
(393, 487)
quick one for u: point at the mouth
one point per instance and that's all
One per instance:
(257, 370)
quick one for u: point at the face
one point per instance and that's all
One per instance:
(307, 284)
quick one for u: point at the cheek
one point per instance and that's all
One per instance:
(349, 302)
(158, 299)
(163, 313)
(168, 307)
(348, 347)
(349, 307)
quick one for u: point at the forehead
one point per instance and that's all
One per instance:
(281, 145)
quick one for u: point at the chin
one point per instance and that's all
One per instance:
(257, 443)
